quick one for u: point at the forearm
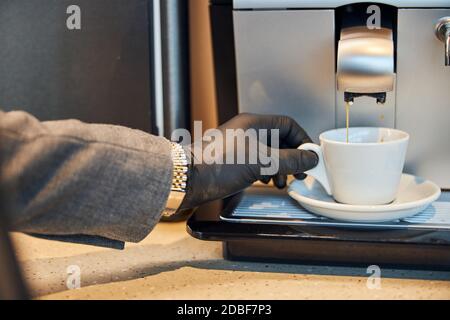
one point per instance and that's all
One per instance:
(70, 178)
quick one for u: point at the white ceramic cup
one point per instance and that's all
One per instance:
(365, 171)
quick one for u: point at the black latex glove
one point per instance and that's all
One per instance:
(207, 182)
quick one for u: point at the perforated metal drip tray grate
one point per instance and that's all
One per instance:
(264, 206)
(264, 224)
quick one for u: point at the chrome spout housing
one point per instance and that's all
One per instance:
(365, 61)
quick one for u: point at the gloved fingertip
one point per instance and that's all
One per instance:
(300, 176)
(265, 179)
(308, 160)
(280, 181)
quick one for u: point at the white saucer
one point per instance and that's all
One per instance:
(414, 195)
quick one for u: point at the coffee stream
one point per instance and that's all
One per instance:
(347, 116)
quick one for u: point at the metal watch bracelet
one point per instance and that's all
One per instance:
(179, 180)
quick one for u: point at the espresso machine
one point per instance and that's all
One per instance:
(307, 59)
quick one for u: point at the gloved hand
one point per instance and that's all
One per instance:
(209, 181)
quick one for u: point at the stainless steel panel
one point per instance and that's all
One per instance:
(272, 4)
(175, 65)
(285, 65)
(423, 94)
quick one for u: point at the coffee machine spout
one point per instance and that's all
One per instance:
(379, 96)
(443, 33)
(365, 63)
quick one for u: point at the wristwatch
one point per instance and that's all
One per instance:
(179, 180)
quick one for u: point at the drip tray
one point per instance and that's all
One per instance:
(266, 206)
(265, 224)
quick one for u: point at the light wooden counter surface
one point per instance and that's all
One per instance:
(169, 264)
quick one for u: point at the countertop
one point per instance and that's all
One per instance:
(170, 264)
